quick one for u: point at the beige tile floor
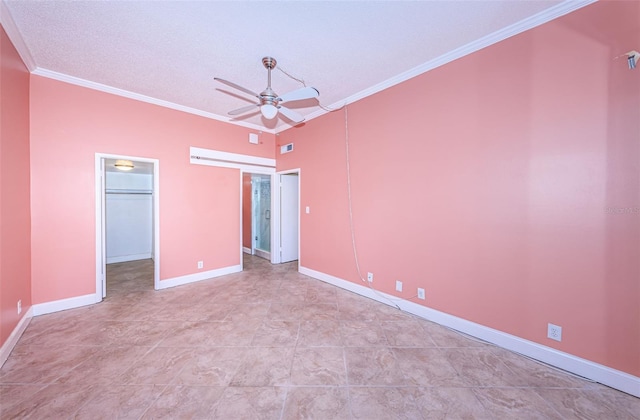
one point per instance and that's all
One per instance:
(270, 343)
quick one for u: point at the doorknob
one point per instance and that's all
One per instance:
(267, 214)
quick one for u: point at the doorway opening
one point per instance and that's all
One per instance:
(127, 228)
(261, 216)
(270, 228)
(256, 214)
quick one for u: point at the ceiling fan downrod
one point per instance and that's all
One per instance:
(269, 63)
(268, 98)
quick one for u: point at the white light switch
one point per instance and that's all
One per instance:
(253, 138)
(308, 210)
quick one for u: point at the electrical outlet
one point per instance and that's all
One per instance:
(554, 332)
(200, 264)
(420, 293)
(398, 286)
(370, 277)
(19, 306)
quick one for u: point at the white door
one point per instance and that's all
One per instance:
(288, 217)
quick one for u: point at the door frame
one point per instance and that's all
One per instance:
(276, 257)
(255, 170)
(100, 220)
(254, 216)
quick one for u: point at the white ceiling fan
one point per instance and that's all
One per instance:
(270, 103)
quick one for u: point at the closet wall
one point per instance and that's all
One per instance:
(129, 216)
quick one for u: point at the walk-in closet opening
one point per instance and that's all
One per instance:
(128, 221)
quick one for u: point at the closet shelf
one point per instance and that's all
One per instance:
(125, 191)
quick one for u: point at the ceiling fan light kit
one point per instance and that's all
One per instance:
(269, 111)
(269, 102)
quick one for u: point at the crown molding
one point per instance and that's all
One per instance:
(531, 22)
(14, 35)
(143, 98)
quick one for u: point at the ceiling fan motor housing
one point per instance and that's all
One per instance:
(268, 96)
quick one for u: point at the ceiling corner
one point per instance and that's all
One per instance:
(12, 31)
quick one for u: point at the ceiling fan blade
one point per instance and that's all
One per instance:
(300, 94)
(243, 109)
(291, 115)
(233, 85)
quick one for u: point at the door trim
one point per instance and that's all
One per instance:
(256, 170)
(254, 217)
(100, 198)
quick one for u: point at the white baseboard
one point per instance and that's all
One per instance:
(78, 301)
(64, 304)
(605, 375)
(262, 254)
(190, 278)
(126, 258)
(246, 250)
(15, 335)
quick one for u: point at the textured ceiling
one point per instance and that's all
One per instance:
(171, 50)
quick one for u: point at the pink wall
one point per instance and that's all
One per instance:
(15, 228)
(486, 182)
(199, 205)
(246, 210)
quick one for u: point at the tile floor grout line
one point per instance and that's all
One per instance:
(321, 315)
